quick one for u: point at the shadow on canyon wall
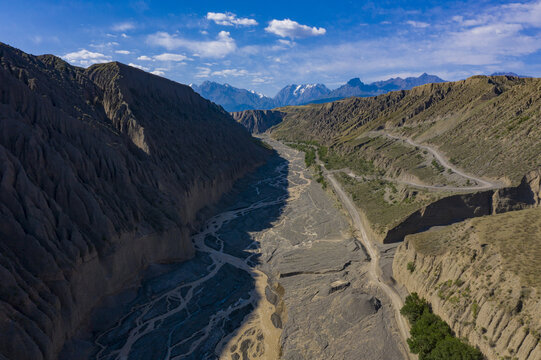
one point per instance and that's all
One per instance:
(184, 310)
(460, 207)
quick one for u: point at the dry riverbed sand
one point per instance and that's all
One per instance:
(318, 274)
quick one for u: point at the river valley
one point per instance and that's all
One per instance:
(278, 272)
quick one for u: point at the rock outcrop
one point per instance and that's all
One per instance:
(526, 194)
(258, 121)
(457, 208)
(103, 171)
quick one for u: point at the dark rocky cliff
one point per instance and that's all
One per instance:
(102, 171)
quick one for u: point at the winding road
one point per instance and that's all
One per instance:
(375, 271)
(483, 184)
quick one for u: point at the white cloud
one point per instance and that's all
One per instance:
(286, 42)
(231, 72)
(417, 24)
(124, 36)
(528, 14)
(123, 26)
(230, 19)
(222, 46)
(170, 57)
(487, 44)
(140, 67)
(261, 80)
(104, 46)
(203, 72)
(158, 72)
(292, 29)
(164, 57)
(123, 52)
(85, 58)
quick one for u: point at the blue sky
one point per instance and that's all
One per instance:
(266, 45)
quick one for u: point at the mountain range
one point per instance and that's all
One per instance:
(235, 99)
(506, 73)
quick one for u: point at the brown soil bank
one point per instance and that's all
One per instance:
(482, 277)
(465, 206)
(103, 171)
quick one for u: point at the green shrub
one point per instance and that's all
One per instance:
(411, 266)
(426, 332)
(310, 157)
(475, 310)
(322, 153)
(438, 166)
(452, 348)
(431, 337)
(414, 307)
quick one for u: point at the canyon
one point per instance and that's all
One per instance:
(141, 221)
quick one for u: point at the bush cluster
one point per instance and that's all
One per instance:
(310, 157)
(431, 337)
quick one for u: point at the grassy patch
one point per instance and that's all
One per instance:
(517, 234)
(356, 162)
(370, 197)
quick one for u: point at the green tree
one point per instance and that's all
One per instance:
(414, 307)
(426, 332)
(452, 348)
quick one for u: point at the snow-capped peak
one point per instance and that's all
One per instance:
(300, 89)
(261, 96)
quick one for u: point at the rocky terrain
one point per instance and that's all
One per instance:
(320, 270)
(460, 207)
(258, 121)
(103, 172)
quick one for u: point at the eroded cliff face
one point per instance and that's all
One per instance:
(102, 171)
(258, 121)
(482, 277)
(456, 208)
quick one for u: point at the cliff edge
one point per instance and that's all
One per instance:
(103, 171)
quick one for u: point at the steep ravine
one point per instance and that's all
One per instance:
(103, 171)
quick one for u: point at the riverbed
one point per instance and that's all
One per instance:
(277, 273)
